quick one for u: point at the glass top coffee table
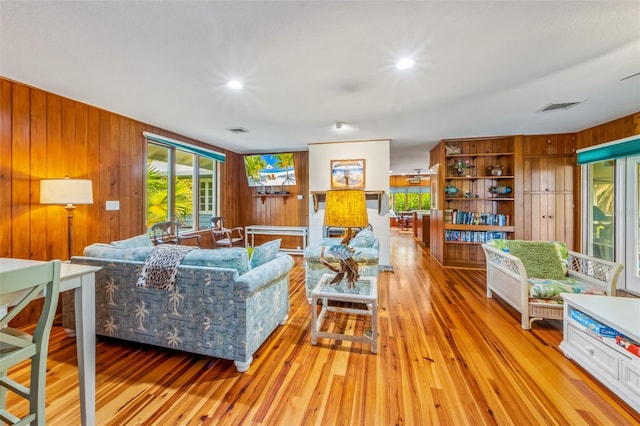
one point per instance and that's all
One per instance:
(365, 292)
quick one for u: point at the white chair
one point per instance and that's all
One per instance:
(18, 287)
(226, 237)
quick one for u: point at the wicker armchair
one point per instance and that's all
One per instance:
(538, 298)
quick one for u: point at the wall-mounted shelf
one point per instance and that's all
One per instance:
(320, 197)
(263, 196)
(478, 177)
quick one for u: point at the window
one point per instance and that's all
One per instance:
(180, 185)
(410, 198)
(601, 186)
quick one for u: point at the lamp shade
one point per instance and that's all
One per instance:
(66, 191)
(346, 208)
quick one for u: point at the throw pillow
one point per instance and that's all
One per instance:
(265, 253)
(137, 241)
(364, 238)
(539, 258)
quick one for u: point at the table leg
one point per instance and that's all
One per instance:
(374, 326)
(86, 345)
(314, 319)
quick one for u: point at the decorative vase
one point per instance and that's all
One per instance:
(496, 170)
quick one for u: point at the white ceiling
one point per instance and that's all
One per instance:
(482, 68)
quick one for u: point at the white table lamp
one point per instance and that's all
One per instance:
(66, 192)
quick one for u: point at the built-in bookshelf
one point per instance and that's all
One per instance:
(478, 189)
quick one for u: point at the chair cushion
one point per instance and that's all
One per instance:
(137, 241)
(541, 259)
(551, 289)
(265, 253)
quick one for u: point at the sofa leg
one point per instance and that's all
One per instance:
(284, 320)
(243, 366)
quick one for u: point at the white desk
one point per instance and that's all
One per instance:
(82, 279)
(298, 231)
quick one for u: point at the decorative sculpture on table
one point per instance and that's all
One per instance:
(346, 208)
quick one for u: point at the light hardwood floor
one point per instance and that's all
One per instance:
(447, 355)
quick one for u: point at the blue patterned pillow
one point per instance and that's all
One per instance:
(364, 238)
(137, 241)
(265, 253)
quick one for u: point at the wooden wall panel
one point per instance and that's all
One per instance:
(616, 129)
(38, 217)
(43, 135)
(279, 211)
(5, 167)
(21, 174)
(397, 180)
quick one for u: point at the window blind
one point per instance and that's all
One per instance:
(621, 148)
(203, 152)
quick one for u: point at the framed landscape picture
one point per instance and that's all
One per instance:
(347, 174)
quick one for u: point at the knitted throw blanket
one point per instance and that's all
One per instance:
(161, 266)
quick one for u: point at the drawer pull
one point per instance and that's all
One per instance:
(590, 350)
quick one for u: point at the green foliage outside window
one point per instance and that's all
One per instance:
(158, 197)
(411, 201)
(426, 201)
(400, 201)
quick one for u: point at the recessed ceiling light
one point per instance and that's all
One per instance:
(404, 63)
(234, 84)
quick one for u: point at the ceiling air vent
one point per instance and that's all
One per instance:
(238, 130)
(559, 106)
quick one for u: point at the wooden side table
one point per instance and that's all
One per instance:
(365, 292)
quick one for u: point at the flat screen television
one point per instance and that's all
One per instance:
(270, 169)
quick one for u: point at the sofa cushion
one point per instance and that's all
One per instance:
(233, 258)
(107, 251)
(364, 238)
(264, 253)
(548, 289)
(137, 241)
(541, 259)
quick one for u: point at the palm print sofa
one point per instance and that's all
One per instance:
(223, 304)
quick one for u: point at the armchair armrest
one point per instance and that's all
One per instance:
(189, 237)
(597, 272)
(260, 276)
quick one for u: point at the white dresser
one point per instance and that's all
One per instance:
(614, 366)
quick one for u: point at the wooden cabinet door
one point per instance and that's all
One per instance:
(549, 216)
(540, 145)
(548, 199)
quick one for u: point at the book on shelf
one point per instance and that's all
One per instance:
(474, 236)
(448, 215)
(477, 218)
